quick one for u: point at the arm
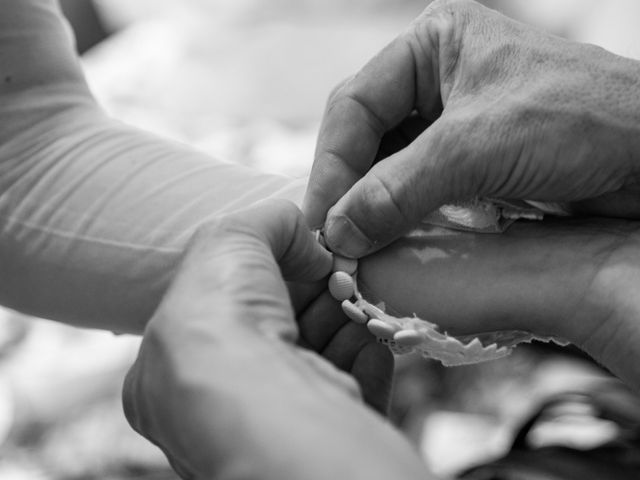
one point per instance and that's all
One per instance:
(576, 279)
(94, 215)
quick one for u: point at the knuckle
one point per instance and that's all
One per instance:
(142, 384)
(450, 6)
(332, 175)
(442, 28)
(375, 120)
(449, 17)
(337, 91)
(216, 228)
(286, 209)
(130, 398)
(289, 209)
(386, 208)
(351, 97)
(291, 215)
(288, 214)
(137, 401)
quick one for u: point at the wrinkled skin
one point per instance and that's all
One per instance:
(469, 103)
(221, 386)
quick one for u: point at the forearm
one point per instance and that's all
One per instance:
(575, 279)
(94, 215)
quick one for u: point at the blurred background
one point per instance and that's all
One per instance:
(246, 80)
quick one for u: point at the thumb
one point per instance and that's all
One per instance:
(398, 192)
(270, 238)
(283, 229)
(235, 267)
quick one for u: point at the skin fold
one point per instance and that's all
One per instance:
(97, 218)
(468, 103)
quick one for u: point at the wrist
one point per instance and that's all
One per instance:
(612, 337)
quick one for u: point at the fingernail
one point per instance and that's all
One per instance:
(345, 238)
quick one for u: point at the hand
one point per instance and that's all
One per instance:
(576, 279)
(222, 388)
(469, 103)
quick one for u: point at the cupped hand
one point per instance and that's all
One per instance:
(468, 103)
(222, 383)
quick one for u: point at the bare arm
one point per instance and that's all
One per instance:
(94, 215)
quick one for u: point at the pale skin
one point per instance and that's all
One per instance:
(241, 399)
(227, 334)
(468, 103)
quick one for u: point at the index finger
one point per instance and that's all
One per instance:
(237, 264)
(357, 116)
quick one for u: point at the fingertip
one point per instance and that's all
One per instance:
(345, 238)
(305, 259)
(392, 198)
(370, 216)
